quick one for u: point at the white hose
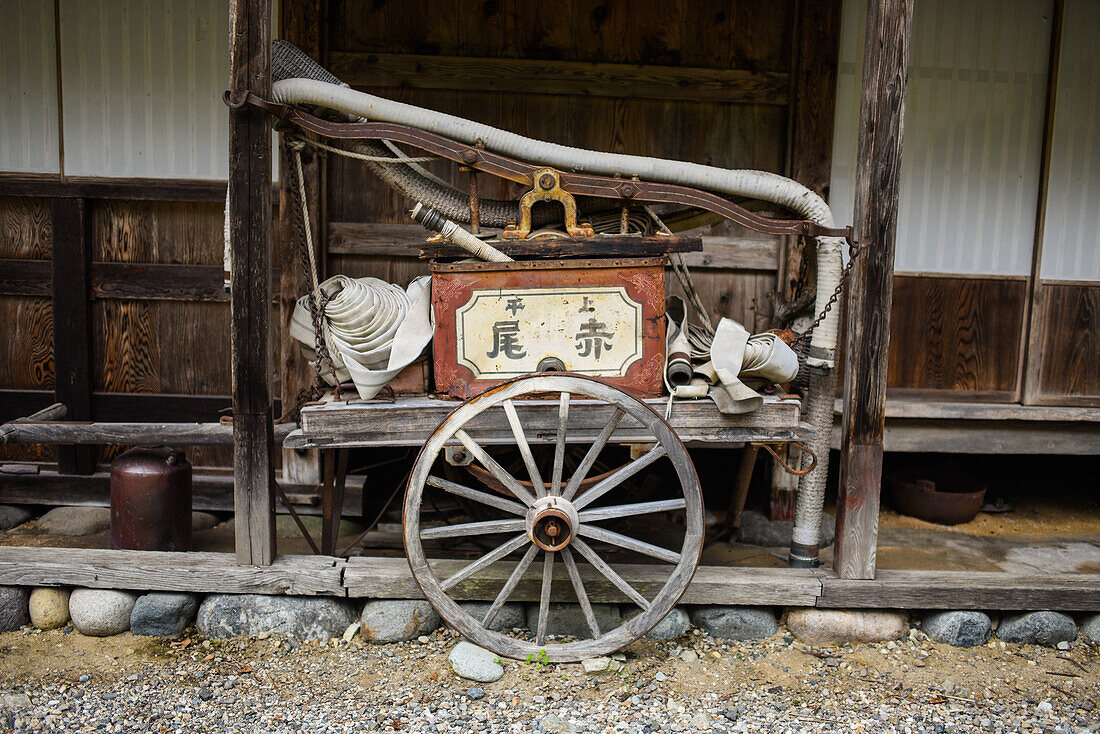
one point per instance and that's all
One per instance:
(362, 318)
(755, 184)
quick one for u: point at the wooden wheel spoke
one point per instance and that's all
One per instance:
(609, 573)
(637, 508)
(578, 588)
(510, 585)
(559, 445)
(623, 541)
(524, 448)
(544, 599)
(486, 527)
(495, 468)
(484, 498)
(619, 476)
(593, 454)
(486, 560)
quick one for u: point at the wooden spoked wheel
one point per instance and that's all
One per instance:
(554, 519)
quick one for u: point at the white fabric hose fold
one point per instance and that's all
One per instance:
(374, 328)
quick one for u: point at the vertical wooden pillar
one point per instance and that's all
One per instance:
(250, 222)
(302, 24)
(878, 173)
(72, 324)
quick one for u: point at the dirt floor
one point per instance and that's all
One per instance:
(690, 684)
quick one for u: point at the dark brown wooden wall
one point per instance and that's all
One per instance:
(695, 81)
(158, 319)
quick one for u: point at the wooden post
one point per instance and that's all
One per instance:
(882, 109)
(302, 23)
(72, 324)
(250, 216)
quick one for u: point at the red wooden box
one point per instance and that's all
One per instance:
(496, 321)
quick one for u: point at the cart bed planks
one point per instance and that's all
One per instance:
(406, 422)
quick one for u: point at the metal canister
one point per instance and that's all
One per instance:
(151, 500)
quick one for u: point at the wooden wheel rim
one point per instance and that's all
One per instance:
(608, 641)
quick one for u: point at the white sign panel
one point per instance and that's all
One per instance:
(594, 330)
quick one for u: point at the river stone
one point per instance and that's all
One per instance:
(835, 626)
(49, 608)
(75, 521)
(676, 623)
(301, 617)
(13, 608)
(397, 620)
(1090, 627)
(757, 529)
(475, 663)
(10, 516)
(735, 623)
(568, 619)
(958, 628)
(1037, 628)
(101, 612)
(163, 614)
(510, 616)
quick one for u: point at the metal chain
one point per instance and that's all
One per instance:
(854, 251)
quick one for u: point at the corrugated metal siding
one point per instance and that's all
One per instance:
(28, 87)
(1071, 245)
(141, 88)
(973, 133)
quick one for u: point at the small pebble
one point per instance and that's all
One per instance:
(475, 694)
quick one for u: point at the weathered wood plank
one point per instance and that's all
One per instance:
(600, 246)
(250, 217)
(405, 240)
(124, 406)
(159, 571)
(409, 421)
(986, 411)
(535, 76)
(155, 189)
(158, 282)
(882, 109)
(893, 589)
(390, 578)
(188, 434)
(209, 491)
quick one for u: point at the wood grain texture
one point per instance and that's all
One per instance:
(213, 573)
(89, 187)
(893, 589)
(882, 110)
(26, 228)
(390, 578)
(960, 335)
(188, 233)
(250, 215)
(1067, 362)
(531, 76)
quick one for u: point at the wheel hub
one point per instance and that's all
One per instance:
(551, 523)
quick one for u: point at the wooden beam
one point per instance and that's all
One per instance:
(901, 589)
(535, 76)
(211, 573)
(122, 434)
(136, 189)
(72, 323)
(390, 578)
(250, 216)
(882, 109)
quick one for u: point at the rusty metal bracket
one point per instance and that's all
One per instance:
(547, 188)
(787, 467)
(577, 184)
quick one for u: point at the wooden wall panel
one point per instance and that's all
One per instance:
(26, 322)
(956, 338)
(1064, 367)
(188, 233)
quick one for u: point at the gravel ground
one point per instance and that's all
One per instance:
(58, 681)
